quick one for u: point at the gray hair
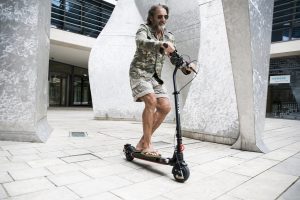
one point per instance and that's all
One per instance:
(152, 10)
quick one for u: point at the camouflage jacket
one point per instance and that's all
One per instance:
(148, 58)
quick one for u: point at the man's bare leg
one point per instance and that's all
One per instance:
(148, 121)
(163, 107)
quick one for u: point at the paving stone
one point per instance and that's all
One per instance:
(216, 166)
(45, 162)
(27, 186)
(2, 192)
(4, 177)
(139, 175)
(4, 160)
(20, 145)
(294, 146)
(297, 155)
(57, 169)
(159, 198)
(52, 154)
(114, 152)
(79, 158)
(227, 197)
(52, 148)
(4, 153)
(286, 143)
(92, 163)
(106, 170)
(59, 193)
(28, 157)
(13, 166)
(28, 173)
(247, 155)
(293, 193)
(76, 151)
(280, 154)
(208, 155)
(68, 178)
(103, 196)
(253, 167)
(211, 187)
(93, 187)
(147, 189)
(290, 166)
(23, 151)
(268, 185)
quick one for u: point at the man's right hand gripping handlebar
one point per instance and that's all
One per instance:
(168, 47)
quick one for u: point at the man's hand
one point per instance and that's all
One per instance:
(168, 47)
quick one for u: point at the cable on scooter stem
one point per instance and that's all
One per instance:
(179, 62)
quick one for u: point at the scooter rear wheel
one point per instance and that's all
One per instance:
(129, 157)
(181, 173)
(128, 149)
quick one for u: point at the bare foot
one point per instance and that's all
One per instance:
(139, 146)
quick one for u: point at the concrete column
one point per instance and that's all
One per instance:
(210, 110)
(24, 58)
(248, 26)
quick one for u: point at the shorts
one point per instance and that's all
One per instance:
(141, 87)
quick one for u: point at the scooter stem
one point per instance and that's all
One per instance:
(177, 112)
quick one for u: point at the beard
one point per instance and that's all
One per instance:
(159, 28)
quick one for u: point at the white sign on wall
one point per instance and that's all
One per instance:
(280, 79)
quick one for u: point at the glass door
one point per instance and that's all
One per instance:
(81, 91)
(57, 89)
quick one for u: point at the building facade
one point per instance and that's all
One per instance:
(74, 26)
(284, 72)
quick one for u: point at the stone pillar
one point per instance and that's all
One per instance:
(109, 64)
(249, 25)
(24, 58)
(210, 110)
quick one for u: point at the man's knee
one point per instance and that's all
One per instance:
(150, 101)
(164, 106)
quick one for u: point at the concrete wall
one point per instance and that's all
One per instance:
(289, 48)
(24, 57)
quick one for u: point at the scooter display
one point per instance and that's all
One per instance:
(180, 169)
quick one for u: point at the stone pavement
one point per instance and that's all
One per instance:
(94, 167)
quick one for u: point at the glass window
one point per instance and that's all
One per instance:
(284, 96)
(83, 17)
(285, 16)
(296, 33)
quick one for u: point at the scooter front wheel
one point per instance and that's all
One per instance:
(181, 173)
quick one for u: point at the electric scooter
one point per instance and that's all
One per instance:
(180, 169)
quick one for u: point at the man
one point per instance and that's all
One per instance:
(153, 42)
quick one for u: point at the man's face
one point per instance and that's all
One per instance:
(159, 19)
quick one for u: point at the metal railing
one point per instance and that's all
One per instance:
(286, 20)
(86, 17)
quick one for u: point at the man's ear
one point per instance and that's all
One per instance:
(151, 19)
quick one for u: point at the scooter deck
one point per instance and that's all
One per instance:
(157, 159)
